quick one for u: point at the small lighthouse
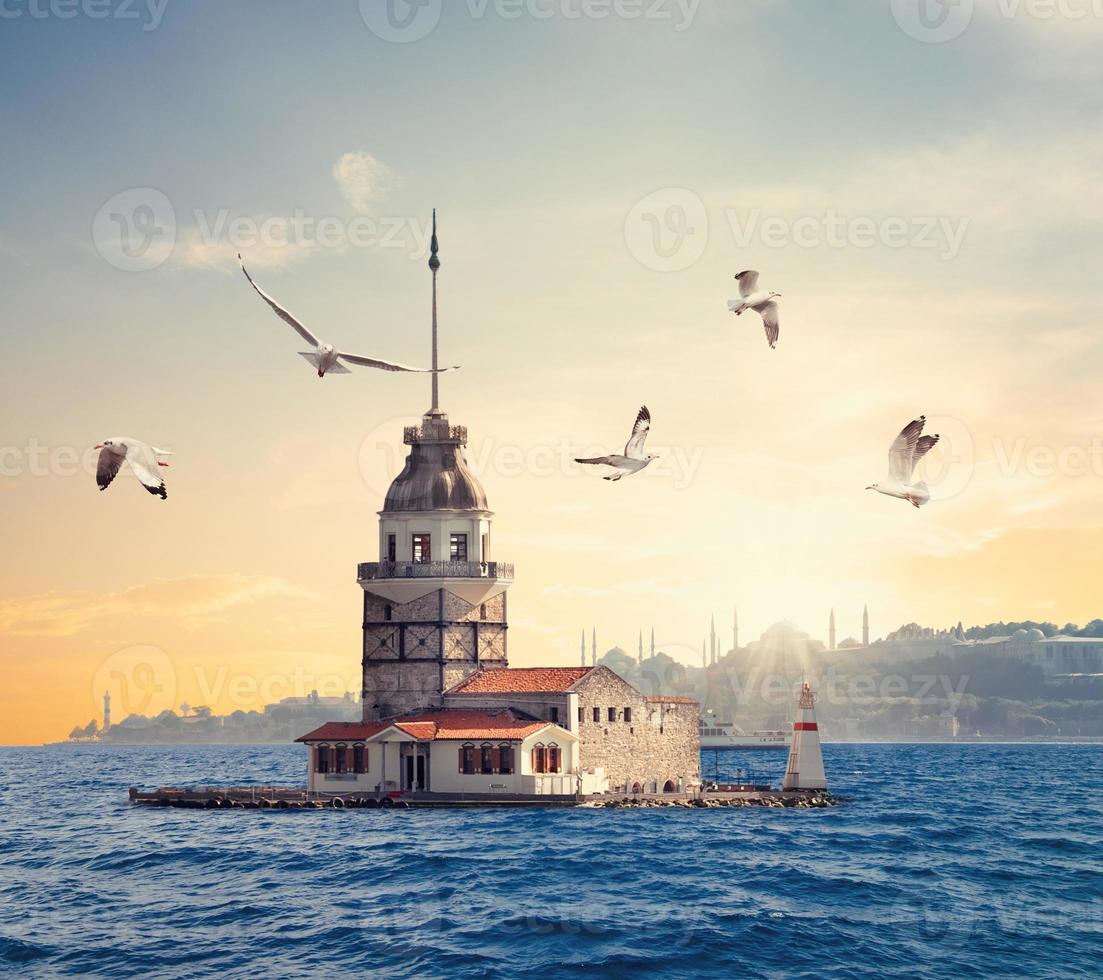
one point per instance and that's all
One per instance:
(805, 767)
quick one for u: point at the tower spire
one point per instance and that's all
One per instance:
(831, 631)
(434, 265)
(865, 626)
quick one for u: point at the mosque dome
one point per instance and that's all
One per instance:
(435, 476)
(1035, 634)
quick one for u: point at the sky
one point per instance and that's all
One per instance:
(922, 191)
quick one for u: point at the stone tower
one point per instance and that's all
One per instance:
(434, 603)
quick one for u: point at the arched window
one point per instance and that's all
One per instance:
(360, 758)
(505, 758)
(341, 758)
(636, 789)
(321, 759)
(467, 759)
(669, 787)
(482, 611)
(554, 758)
(539, 758)
(486, 754)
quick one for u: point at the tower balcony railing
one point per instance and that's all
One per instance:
(434, 430)
(369, 570)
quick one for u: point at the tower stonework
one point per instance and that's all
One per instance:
(435, 603)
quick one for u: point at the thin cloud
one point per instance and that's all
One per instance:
(362, 178)
(195, 597)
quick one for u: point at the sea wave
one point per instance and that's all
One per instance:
(945, 860)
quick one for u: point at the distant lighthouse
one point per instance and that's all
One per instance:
(805, 767)
(106, 712)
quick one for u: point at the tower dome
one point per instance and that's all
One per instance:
(435, 476)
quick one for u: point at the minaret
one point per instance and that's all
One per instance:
(735, 629)
(865, 626)
(593, 649)
(652, 642)
(582, 662)
(434, 604)
(704, 658)
(712, 640)
(831, 631)
(106, 711)
(805, 767)
(641, 648)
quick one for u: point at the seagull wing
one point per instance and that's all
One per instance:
(144, 464)
(602, 460)
(108, 465)
(771, 323)
(634, 448)
(280, 311)
(923, 446)
(374, 362)
(748, 282)
(902, 451)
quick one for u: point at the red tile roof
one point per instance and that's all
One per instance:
(342, 731)
(671, 699)
(468, 725)
(521, 680)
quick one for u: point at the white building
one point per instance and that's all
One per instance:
(450, 752)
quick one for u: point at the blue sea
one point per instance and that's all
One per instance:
(943, 861)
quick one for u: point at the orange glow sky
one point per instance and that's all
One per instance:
(546, 155)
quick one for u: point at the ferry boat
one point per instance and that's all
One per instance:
(727, 735)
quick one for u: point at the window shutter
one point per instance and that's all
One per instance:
(535, 758)
(461, 758)
(333, 758)
(496, 760)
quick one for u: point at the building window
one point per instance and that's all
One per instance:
(387, 613)
(321, 759)
(554, 758)
(342, 752)
(486, 759)
(359, 758)
(628, 716)
(612, 714)
(482, 611)
(486, 548)
(581, 715)
(467, 759)
(553, 715)
(392, 547)
(597, 716)
(457, 547)
(539, 758)
(422, 550)
(505, 759)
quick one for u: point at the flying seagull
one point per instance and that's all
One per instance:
(633, 459)
(906, 451)
(325, 357)
(761, 301)
(142, 459)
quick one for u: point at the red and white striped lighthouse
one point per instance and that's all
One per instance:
(805, 767)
